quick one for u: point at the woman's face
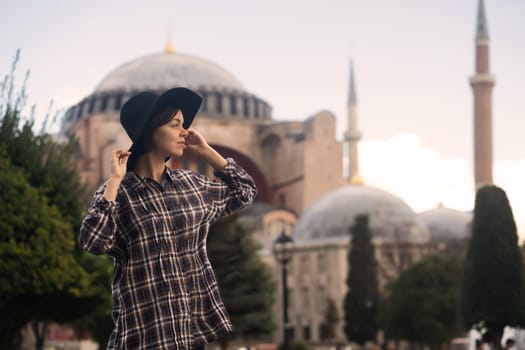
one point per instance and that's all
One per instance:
(170, 139)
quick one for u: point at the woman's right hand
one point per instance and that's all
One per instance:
(119, 162)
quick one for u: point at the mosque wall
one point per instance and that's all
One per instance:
(283, 152)
(318, 272)
(94, 135)
(323, 154)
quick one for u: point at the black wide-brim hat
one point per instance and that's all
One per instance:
(139, 109)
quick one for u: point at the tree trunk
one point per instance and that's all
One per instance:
(40, 329)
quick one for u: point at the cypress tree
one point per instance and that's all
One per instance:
(246, 283)
(493, 280)
(361, 300)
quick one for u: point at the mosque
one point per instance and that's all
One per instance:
(298, 169)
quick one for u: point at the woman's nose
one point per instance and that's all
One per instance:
(184, 133)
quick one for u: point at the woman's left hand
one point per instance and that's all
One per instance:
(195, 143)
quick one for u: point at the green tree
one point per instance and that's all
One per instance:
(48, 168)
(493, 280)
(422, 305)
(36, 250)
(246, 283)
(331, 317)
(360, 303)
(98, 322)
(49, 164)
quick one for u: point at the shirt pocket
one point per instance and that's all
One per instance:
(147, 222)
(187, 208)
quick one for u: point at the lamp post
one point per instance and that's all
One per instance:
(282, 249)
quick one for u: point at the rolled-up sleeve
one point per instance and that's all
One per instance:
(235, 190)
(99, 227)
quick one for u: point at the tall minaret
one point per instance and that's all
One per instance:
(352, 135)
(482, 83)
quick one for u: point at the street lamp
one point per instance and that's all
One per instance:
(282, 249)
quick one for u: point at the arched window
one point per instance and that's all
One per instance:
(92, 105)
(79, 109)
(246, 109)
(118, 102)
(256, 105)
(233, 104)
(219, 102)
(204, 107)
(104, 103)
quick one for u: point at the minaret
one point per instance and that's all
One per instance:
(352, 135)
(482, 83)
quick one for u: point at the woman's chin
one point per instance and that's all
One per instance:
(176, 154)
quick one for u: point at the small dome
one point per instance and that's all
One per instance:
(332, 215)
(166, 70)
(447, 224)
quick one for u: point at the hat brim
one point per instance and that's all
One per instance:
(183, 98)
(188, 101)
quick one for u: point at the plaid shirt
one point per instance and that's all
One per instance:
(165, 294)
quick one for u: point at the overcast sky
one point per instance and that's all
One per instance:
(412, 62)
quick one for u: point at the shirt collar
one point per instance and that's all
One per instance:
(170, 174)
(138, 183)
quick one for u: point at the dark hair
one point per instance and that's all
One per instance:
(145, 142)
(158, 120)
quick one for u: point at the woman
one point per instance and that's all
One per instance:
(154, 221)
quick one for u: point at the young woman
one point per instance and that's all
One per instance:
(154, 221)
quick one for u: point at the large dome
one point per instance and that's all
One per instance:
(165, 70)
(447, 224)
(223, 95)
(332, 215)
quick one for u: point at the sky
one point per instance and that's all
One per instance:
(412, 61)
